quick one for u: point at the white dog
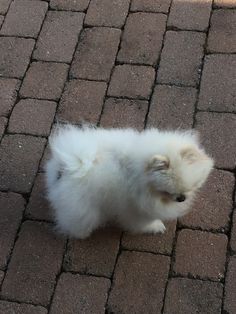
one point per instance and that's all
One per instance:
(134, 178)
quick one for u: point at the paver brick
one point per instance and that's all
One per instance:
(124, 113)
(230, 287)
(218, 136)
(44, 159)
(95, 54)
(35, 262)
(80, 294)
(4, 5)
(1, 20)
(24, 18)
(233, 234)
(181, 58)
(8, 94)
(150, 5)
(200, 254)
(139, 283)
(218, 84)
(95, 255)
(3, 124)
(225, 3)
(190, 15)
(32, 116)
(107, 13)
(15, 55)
(1, 277)
(16, 308)
(82, 100)
(131, 81)
(19, 159)
(44, 80)
(193, 296)
(12, 207)
(172, 107)
(58, 37)
(142, 38)
(71, 5)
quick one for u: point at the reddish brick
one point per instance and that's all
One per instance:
(181, 58)
(80, 294)
(8, 94)
(123, 113)
(12, 207)
(71, 5)
(107, 13)
(96, 53)
(217, 138)
(16, 308)
(19, 159)
(139, 283)
(150, 5)
(15, 56)
(233, 234)
(4, 4)
(35, 262)
(159, 243)
(191, 15)
(59, 36)
(132, 81)
(218, 84)
(172, 107)
(1, 20)
(230, 288)
(95, 255)
(200, 254)
(82, 100)
(225, 3)
(3, 124)
(24, 18)
(193, 296)
(142, 38)
(44, 80)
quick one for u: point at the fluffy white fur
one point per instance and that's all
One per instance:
(136, 179)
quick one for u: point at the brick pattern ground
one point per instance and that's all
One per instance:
(116, 63)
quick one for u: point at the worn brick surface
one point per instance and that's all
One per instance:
(24, 18)
(124, 113)
(82, 100)
(193, 296)
(150, 5)
(95, 255)
(225, 3)
(44, 80)
(1, 20)
(200, 254)
(44, 159)
(107, 13)
(72, 5)
(16, 308)
(233, 234)
(1, 277)
(218, 136)
(15, 56)
(8, 94)
(172, 107)
(181, 58)
(3, 124)
(230, 287)
(80, 294)
(139, 283)
(59, 36)
(142, 38)
(96, 52)
(35, 262)
(131, 81)
(19, 158)
(4, 5)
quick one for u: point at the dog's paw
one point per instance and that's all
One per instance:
(155, 227)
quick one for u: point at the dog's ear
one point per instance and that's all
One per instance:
(158, 162)
(191, 154)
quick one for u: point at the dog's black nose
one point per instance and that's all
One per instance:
(180, 198)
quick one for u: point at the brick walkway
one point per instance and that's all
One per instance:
(136, 63)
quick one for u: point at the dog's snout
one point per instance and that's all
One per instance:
(180, 198)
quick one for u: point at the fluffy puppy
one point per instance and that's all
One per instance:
(136, 179)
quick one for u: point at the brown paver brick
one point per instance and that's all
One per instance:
(124, 113)
(218, 136)
(59, 36)
(80, 294)
(82, 100)
(181, 58)
(107, 13)
(4, 4)
(193, 296)
(19, 159)
(35, 262)
(172, 107)
(142, 38)
(12, 207)
(15, 56)
(44, 159)
(44, 80)
(230, 287)
(16, 308)
(150, 5)
(1, 20)
(200, 254)
(73, 5)
(218, 84)
(3, 124)
(96, 52)
(131, 81)
(1, 277)
(24, 18)
(159, 243)
(95, 255)
(139, 283)
(8, 94)
(233, 234)
(214, 203)
(32, 116)
(191, 15)
(225, 3)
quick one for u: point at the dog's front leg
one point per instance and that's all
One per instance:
(154, 227)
